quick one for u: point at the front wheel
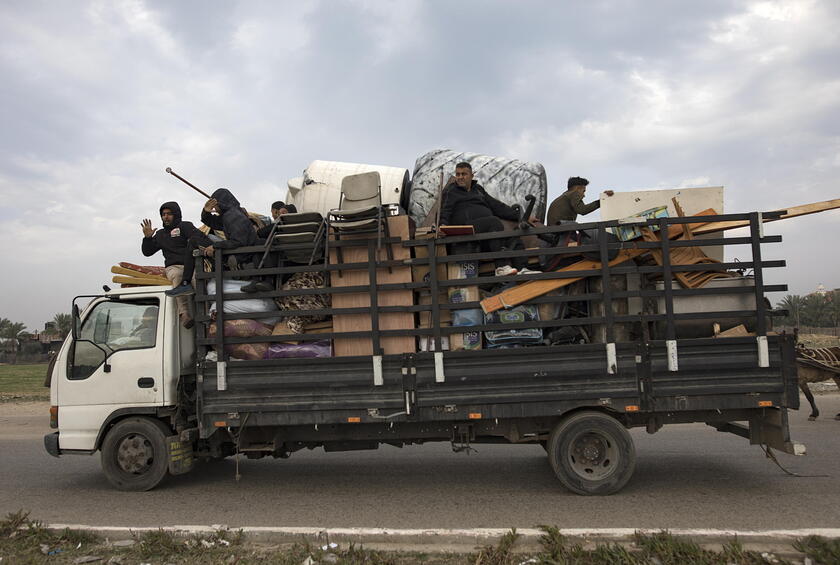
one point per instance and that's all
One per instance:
(591, 453)
(134, 455)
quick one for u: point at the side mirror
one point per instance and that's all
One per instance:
(77, 322)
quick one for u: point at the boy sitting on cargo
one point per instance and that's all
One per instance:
(277, 209)
(221, 213)
(467, 203)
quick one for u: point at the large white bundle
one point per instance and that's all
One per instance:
(508, 180)
(243, 305)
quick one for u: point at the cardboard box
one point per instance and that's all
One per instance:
(469, 341)
(425, 318)
(462, 270)
(420, 273)
(633, 231)
(462, 294)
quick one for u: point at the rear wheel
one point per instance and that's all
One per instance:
(591, 453)
(134, 455)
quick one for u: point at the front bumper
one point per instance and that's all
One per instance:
(51, 444)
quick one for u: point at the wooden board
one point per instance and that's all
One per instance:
(524, 292)
(343, 347)
(140, 281)
(628, 203)
(792, 212)
(420, 273)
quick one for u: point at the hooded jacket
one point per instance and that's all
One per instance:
(238, 228)
(462, 207)
(172, 239)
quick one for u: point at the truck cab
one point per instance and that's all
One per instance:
(122, 363)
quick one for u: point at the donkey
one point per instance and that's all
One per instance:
(817, 365)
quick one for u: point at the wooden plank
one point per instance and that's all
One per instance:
(792, 212)
(343, 347)
(524, 292)
(142, 281)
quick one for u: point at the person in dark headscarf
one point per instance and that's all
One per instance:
(173, 240)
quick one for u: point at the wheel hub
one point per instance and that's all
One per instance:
(592, 456)
(135, 454)
(590, 449)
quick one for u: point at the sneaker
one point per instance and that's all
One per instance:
(183, 289)
(255, 286)
(505, 270)
(527, 271)
(250, 287)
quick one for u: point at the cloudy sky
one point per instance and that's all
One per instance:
(98, 98)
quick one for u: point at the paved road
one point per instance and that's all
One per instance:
(686, 477)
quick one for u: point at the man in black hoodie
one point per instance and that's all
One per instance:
(173, 241)
(229, 218)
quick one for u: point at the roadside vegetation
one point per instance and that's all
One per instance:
(819, 340)
(23, 540)
(23, 382)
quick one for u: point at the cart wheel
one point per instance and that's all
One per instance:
(134, 455)
(591, 453)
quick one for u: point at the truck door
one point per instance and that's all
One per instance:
(116, 362)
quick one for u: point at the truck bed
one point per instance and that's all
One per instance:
(531, 382)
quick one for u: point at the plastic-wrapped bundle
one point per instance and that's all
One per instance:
(508, 180)
(322, 348)
(517, 315)
(244, 328)
(243, 305)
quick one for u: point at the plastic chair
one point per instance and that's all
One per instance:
(359, 211)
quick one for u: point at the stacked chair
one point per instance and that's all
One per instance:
(359, 211)
(296, 229)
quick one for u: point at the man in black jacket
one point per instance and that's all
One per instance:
(467, 203)
(229, 218)
(173, 240)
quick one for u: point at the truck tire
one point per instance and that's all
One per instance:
(134, 454)
(591, 453)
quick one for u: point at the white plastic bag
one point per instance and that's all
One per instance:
(243, 305)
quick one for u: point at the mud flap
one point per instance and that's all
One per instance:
(771, 429)
(181, 458)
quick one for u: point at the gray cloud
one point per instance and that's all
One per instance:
(100, 97)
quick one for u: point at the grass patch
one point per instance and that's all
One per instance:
(23, 540)
(819, 549)
(819, 340)
(23, 382)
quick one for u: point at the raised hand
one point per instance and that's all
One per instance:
(211, 205)
(148, 230)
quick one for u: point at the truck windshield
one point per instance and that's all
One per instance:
(122, 325)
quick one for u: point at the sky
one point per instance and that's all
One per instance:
(97, 98)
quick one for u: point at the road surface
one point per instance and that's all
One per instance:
(687, 476)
